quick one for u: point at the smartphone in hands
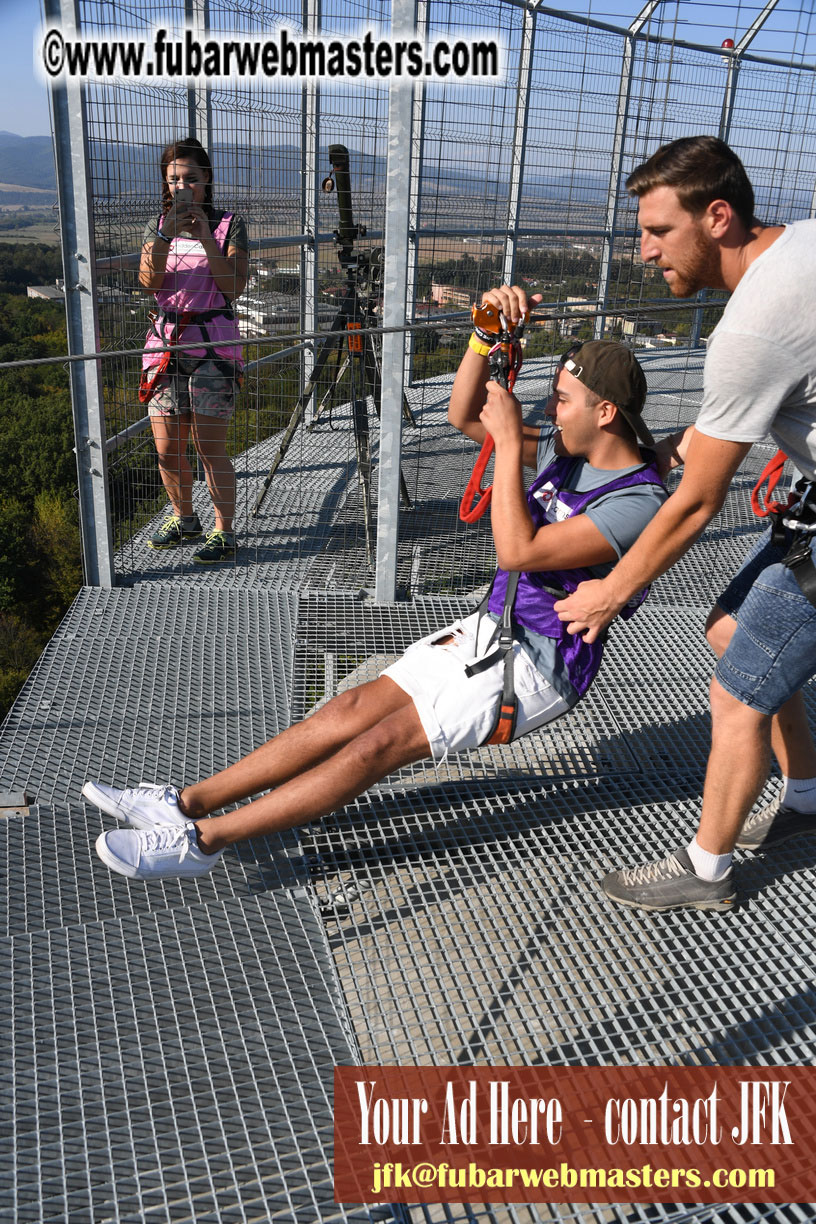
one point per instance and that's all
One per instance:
(183, 195)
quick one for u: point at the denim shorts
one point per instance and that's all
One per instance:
(198, 386)
(773, 651)
(458, 711)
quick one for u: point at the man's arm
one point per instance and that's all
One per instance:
(520, 545)
(709, 468)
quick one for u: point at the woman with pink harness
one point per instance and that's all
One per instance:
(194, 259)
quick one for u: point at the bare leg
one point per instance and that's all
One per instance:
(170, 434)
(300, 747)
(210, 438)
(737, 769)
(396, 740)
(791, 738)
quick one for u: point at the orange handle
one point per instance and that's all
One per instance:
(489, 319)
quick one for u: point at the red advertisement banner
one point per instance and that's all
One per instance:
(575, 1134)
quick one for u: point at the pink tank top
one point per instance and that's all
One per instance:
(189, 286)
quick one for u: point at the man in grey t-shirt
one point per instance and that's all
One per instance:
(696, 214)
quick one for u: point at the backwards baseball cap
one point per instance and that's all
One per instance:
(614, 373)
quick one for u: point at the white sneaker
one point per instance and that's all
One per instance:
(141, 807)
(155, 854)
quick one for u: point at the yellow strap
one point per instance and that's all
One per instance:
(478, 347)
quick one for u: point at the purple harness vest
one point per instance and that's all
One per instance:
(538, 591)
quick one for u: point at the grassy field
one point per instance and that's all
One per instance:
(38, 230)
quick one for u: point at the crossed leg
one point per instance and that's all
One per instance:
(315, 766)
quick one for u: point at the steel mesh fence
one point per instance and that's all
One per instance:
(519, 176)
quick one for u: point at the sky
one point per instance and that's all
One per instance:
(23, 100)
(24, 103)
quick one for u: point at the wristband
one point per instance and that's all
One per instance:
(486, 337)
(163, 237)
(478, 347)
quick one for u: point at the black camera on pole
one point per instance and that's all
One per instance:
(351, 341)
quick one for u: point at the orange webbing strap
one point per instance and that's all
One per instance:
(772, 473)
(505, 725)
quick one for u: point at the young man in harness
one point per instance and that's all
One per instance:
(594, 493)
(696, 213)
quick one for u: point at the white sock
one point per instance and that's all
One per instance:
(708, 866)
(799, 794)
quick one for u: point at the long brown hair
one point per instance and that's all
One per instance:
(186, 149)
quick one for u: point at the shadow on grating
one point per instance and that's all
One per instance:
(475, 932)
(174, 1065)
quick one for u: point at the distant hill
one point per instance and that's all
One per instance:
(27, 161)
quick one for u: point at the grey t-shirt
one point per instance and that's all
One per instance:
(760, 368)
(236, 231)
(619, 516)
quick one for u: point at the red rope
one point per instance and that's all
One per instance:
(475, 499)
(771, 472)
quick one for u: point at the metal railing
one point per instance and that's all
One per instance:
(464, 185)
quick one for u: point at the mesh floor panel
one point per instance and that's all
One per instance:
(142, 685)
(52, 877)
(176, 1065)
(171, 1046)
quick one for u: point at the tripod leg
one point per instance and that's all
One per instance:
(406, 410)
(296, 418)
(362, 445)
(340, 368)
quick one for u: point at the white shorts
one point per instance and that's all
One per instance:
(458, 711)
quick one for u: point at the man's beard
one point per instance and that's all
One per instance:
(699, 269)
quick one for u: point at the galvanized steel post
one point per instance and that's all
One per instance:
(309, 140)
(82, 321)
(395, 278)
(615, 174)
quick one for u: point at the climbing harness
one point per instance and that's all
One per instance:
(528, 598)
(180, 320)
(797, 515)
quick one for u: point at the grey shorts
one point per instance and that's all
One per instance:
(773, 651)
(197, 386)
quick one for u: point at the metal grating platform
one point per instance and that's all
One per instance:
(147, 684)
(177, 1065)
(51, 876)
(171, 1047)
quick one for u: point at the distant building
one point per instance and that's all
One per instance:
(48, 293)
(444, 294)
